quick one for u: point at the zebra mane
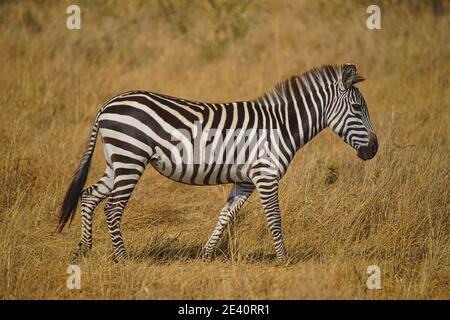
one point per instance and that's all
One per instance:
(319, 75)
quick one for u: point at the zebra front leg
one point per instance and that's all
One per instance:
(236, 198)
(268, 192)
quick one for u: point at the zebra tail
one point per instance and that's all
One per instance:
(73, 193)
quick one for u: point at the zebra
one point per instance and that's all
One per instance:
(138, 128)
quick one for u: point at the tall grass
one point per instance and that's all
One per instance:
(340, 214)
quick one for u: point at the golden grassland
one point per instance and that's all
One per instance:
(340, 214)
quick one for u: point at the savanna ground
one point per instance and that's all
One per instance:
(340, 214)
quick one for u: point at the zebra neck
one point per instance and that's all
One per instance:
(301, 105)
(306, 118)
(296, 122)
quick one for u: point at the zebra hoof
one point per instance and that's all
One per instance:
(119, 259)
(74, 256)
(282, 260)
(81, 252)
(207, 257)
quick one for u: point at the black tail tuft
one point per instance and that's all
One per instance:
(73, 193)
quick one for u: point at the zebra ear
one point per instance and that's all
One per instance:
(350, 76)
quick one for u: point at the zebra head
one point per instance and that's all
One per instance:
(349, 117)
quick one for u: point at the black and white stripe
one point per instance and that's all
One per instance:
(248, 143)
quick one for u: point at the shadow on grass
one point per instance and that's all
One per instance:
(294, 257)
(170, 250)
(167, 254)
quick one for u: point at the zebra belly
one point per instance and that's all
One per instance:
(202, 174)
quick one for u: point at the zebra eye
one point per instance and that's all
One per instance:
(356, 106)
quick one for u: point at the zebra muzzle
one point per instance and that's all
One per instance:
(369, 151)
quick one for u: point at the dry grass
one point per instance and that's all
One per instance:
(340, 214)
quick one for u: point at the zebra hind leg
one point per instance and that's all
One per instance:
(90, 198)
(236, 198)
(115, 205)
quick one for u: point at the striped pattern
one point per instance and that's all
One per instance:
(252, 143)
